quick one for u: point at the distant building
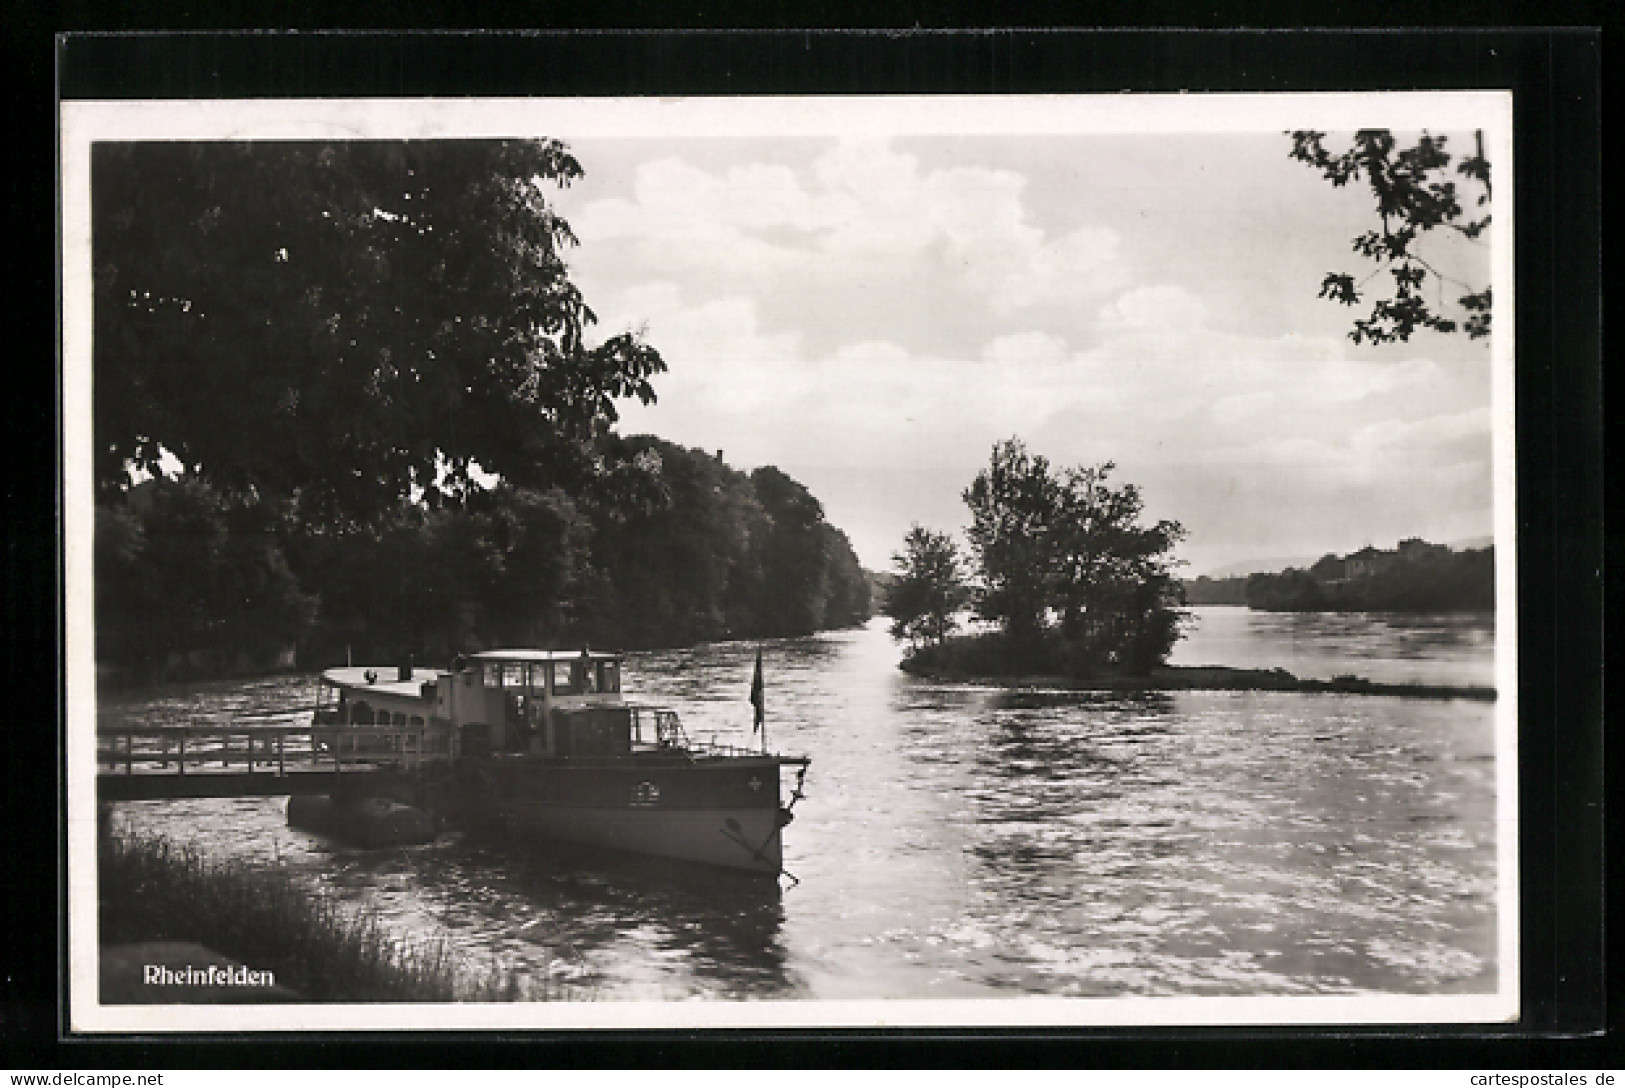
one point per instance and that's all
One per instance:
(1330, 569)
(1416, 548)
(1366, 562)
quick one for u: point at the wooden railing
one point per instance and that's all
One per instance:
(275, 748)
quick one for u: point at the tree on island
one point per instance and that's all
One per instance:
(1414, 195)
(1014, 504)
(1115, 588)
(928, 590)
(1069, 545)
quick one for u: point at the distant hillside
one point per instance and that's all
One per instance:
(1259, 566)
(1416, 576)
(1205, 590)
(1303, 562)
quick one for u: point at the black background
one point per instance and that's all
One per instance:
(1554, 74)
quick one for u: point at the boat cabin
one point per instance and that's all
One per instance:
(358, 695)
(542, 702)
(547, 702)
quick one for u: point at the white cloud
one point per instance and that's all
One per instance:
(1165, 306)
(1242, 406)
(1024, 348)
(861, 210)
(1412, 436)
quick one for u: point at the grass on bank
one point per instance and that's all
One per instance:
(153, 890)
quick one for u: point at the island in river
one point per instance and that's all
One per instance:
(1206, 678)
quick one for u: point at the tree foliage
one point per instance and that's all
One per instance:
(794, 571)
(182, 569)
(929, 587)
(1415, 195)
(1014, 504)
(429, 582)
(331, 338)
(673, 561)
(1071, 544)
(692, 553)
(847, 591)
(345, 322)
(1115, 587)
(1435, 580)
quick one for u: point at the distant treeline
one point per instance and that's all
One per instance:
(1205, 590)
(665, 546)
(1415, 577)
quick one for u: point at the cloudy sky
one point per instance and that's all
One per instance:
(869, 293)
(872, 313)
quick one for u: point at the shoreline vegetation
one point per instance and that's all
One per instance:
(711, 552)
(154, 893)
(930, 665)
(1414, 576)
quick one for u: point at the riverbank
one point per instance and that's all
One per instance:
(155, 894)
(1208, 678)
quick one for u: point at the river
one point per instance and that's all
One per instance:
(970, 842)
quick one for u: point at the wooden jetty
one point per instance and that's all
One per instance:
(145, 763)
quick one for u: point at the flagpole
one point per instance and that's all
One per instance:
(758, 699)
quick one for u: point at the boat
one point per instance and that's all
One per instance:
(544, 744)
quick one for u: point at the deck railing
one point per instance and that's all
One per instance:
(275, 748)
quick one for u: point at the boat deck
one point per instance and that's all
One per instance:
(354, 677)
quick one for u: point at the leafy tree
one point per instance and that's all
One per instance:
(1070, 543)
(540, 545)
(1014, 504)
(669, 552)
(180, 568)
(693, 550)
(847, 600)
(1114, 587)
(501, 570)
(1414, 195)
(928, 589)
(350, 323)
(794, 573)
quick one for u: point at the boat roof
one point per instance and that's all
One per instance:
(385, 680)
(542, 655)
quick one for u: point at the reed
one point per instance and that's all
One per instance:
(154, 890)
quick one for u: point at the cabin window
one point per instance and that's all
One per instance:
(416, 721)
(400, 719)
(609, 676)
(513, 676)
(561, 678)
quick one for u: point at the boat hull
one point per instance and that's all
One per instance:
(744, 839)
(722, 812)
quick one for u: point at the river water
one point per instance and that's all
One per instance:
(969, 842)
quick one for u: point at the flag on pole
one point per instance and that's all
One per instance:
(757, 698)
